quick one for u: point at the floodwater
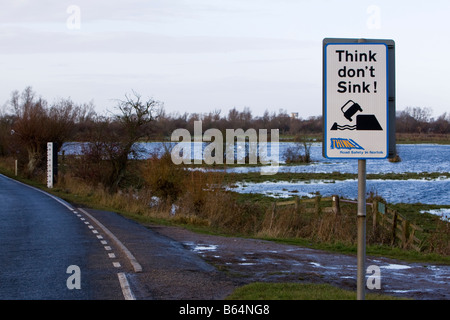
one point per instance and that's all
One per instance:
(435, 191)
(416, 158)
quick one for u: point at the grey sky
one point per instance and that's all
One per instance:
(204, 55)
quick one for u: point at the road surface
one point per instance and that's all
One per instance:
(54, 251)
(48, 252)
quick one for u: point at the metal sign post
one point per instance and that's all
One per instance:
(361, 254)
(359, 114)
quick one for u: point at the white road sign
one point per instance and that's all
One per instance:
(356, 100)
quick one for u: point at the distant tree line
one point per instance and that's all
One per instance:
(410, 120)
(419, 120)
(28, 122)
(234, 119)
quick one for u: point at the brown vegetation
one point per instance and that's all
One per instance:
(112, 141)
(198, 198)
(34, 123)
(156, 187)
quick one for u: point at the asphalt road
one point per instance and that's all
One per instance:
(49, 252)
(48, 247)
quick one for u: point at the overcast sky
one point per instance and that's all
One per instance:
(205, 55)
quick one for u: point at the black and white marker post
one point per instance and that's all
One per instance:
(52, 164)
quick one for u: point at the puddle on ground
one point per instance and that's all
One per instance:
(395, 267)
(308, 264)
(205, 247)
(315, 264)
(200, 247)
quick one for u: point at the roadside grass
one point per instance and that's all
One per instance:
(298, 291)
(435, 233)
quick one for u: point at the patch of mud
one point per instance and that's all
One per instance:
(251, 260)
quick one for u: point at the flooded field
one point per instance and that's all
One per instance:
(435, 191)
(416, 158)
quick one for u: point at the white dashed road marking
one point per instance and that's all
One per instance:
(136, 266)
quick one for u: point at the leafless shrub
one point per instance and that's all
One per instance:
(164, 179)
(299, 151)
(112, 141)
(36, 123)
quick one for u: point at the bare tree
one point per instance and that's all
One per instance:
(442, 124)
(113, 141)
(414, 119)
(36, 124)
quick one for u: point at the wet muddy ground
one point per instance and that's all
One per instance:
(250, 260)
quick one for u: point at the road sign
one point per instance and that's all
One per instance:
(359, 114)
(356, 99)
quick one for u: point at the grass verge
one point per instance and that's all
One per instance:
(298, 291)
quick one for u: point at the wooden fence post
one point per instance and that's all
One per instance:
(394, 227)
(274, 208)
(405, 233)
(374, 216)
(297, 205)
(317, 204)
(336, 205)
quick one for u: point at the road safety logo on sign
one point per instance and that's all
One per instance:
(355, 100)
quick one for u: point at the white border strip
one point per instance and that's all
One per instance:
(67, 205)
(127, 293)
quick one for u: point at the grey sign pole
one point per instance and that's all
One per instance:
(361, 270)
(361, 254)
